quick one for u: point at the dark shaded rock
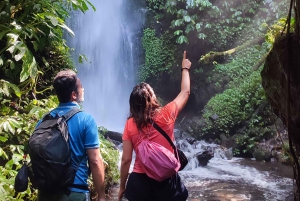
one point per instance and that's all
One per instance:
(228, 153)
(177, 134)
(204, 158)
(282, 62)
(224, 153)
(261, 154)
(115, 136)
(226, 141)
(194, 126)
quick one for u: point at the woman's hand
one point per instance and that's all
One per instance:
(121, 193)
(185, 62)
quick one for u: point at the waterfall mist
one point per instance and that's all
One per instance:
(110, 39)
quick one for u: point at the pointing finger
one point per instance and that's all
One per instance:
(184, 55)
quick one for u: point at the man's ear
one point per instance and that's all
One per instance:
(73, 96)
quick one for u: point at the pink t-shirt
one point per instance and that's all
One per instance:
(165, 119)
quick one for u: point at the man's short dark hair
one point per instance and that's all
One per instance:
(65, 82)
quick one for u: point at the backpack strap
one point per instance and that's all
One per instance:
(71, 113)
(159, 129)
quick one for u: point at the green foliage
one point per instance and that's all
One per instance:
(216, 22)
(7, 176)
(32, 50)
(155, 4)
(286, 156)
(276, 29)
(111, 157)
(31, 40)
(236, 104)
(159, 54)
(16, 125)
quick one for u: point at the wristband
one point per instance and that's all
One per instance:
(185, 68)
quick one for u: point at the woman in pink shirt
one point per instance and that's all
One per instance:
(144, 109)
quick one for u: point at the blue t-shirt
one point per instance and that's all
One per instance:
(83, 132)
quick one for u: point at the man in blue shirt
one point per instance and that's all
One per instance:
(83, 139)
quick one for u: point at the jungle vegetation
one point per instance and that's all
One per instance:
(32, 51)
(227, 42)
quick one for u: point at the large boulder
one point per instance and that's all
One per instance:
(204, 157)
(284, 61)
(113, 135)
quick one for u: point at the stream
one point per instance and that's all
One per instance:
(237, 179)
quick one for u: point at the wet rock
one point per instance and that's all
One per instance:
(227, 142)
(115, 136)
(204, 158)
(224, 153)
(177, 134)
(228, 153)
(261, 154)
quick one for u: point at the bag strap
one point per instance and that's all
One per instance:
(159, 129)
(71, 113)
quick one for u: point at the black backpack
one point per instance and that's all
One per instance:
(50, 153)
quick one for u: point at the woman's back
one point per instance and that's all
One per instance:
(165, 118)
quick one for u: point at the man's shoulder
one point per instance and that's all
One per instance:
(85, 115)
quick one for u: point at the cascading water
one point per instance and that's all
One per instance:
(110, 39)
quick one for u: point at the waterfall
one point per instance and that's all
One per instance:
(110, 39)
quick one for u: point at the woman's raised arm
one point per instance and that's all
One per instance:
(184, 94)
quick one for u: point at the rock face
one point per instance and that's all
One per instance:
(115, 136)
(274, 81)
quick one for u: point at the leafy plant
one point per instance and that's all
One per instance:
(217, 22)
(32, 50)
(159, 54)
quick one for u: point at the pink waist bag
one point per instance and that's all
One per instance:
(158, 162)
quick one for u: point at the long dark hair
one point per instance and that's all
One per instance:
(143, 104)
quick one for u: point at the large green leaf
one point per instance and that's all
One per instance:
(22, 51)
(33, 68)
(53, 20)
(5, 85)
(14, 122)
(29, 67)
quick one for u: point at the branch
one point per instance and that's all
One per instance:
(40, 92)
(210, 57)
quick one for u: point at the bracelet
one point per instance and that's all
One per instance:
(185, 68)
